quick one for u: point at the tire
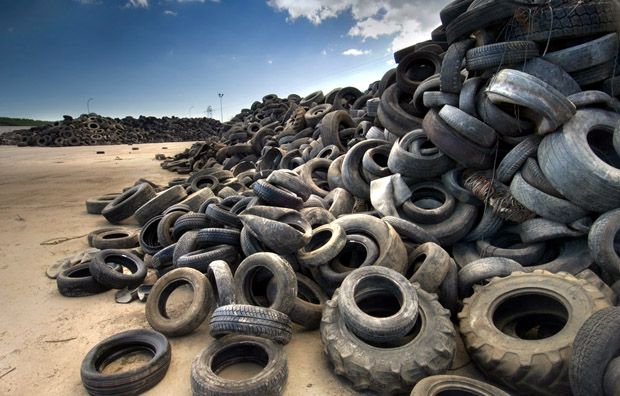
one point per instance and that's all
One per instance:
(77, 281)
(352, 166)
(163, 258)
(583, 56)
(532, 359)
(412, 157)
(483, 269)
(218, 236)
(428, 265)
(437, 385)
(455, 146)
(451, 66)
(221, 278)
(550, 107)
(113, 238)
(191, 317)
(509, 245)
(382, 283)
(326, 243)
(307, 172)
(96, 204)
(291, 182)
(200, 259)
(105, 275)
(309, 303)
(430, 203)
(543, 204)
(468, 126)
(550, 73)
(276, 196)
(566, 20)
(165, 226)
(595, 345)
(612, 377)
(409, 230)
(394, 114)
(389, 368)
(515, 158)
(251, 320)
(479, 17)
(455, 227)
(532, 174)
(148, 236)
(246, 275)
(234, 349)
(340, 202)
(130, 382)
(415, 68)
(221, 215)
(452, 10)
(124, 206)
(345, 97)
(331, 124)
(573, 167)
(601, 240)
(314, 97)
(504, 53)
(158, 204)
(189, 222)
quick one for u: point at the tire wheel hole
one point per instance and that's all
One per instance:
(415, 265)
(378, 296)
(380, 159)
(257, 282)
(353, 254)
(239, 362)
(117, 235)
(175, 299)
(456, 392)
(409, 337)
(530, 316)
(600, 141)
(306, 294)
(125, 358)
(318, 239)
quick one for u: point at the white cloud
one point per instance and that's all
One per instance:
(170, 13)
(138, 3)
(88, 2)
(405, 21)
(323, 52)
(270, 61)
(355, 52)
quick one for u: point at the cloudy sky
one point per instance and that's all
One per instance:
(172, 57)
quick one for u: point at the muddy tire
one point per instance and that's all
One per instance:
(520, 329)
(251, 320)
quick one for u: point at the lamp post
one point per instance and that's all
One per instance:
(88, 105)
(221, 111)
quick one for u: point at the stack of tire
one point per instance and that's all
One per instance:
(473, 190)
(93, 129)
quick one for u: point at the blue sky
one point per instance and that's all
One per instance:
(163, 57)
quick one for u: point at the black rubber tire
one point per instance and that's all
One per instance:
(567, 20)
(483, 269)
(451, 80)
(582, 56)
(221, 278)
(384, 282)
(163, 258)
(127, 382)
(532, 174)
(104, 274)
(331, 124)
(326, 243)
(352, 167)
(468, 126)
(148, 236)
(158, 204)
(308, 173)
(200, 259)
(573, 167)
(543, 204)
(221, 215)
(251, 320)
(395, 113)
(595, 345)
(291, 182)
(340, 202)
(234, 349)
(415, 156)
(345, 97)
(189, 222)
(124, 206)
(452, 10)
(409, 230)
(313, 97)
(77, 281)
(192, 316)
(113, 238)
(426, 63)
(479, 17)
(437, 385)
(165, 226)
(96, 204)
(317, 216)
(524, 253)
(601, 239)
(428, 266)
(455, 227)
(498, 342)
(430, 203)
(612, 378)
(504, 53)
(389, 368)
(285, 282)
(309, 303)
(276, 196)
(218, 236)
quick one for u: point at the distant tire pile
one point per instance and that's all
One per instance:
(92, 129)
(474, 190)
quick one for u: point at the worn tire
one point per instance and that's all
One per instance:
(104, 274)
(125, 205)
(77, 281)
(251, 320)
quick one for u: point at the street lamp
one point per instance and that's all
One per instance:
(88, 105)
(190, 111)
(221, 111)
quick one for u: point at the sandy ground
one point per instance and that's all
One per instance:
(43, 335)
(4, 129)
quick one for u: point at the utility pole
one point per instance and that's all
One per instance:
(221, 111)
(88, 105)
(190, 111)
(209, 111)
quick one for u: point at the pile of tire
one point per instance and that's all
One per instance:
(474, 190)
(93, 129)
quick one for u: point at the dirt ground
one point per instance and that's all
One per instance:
(43, 335)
